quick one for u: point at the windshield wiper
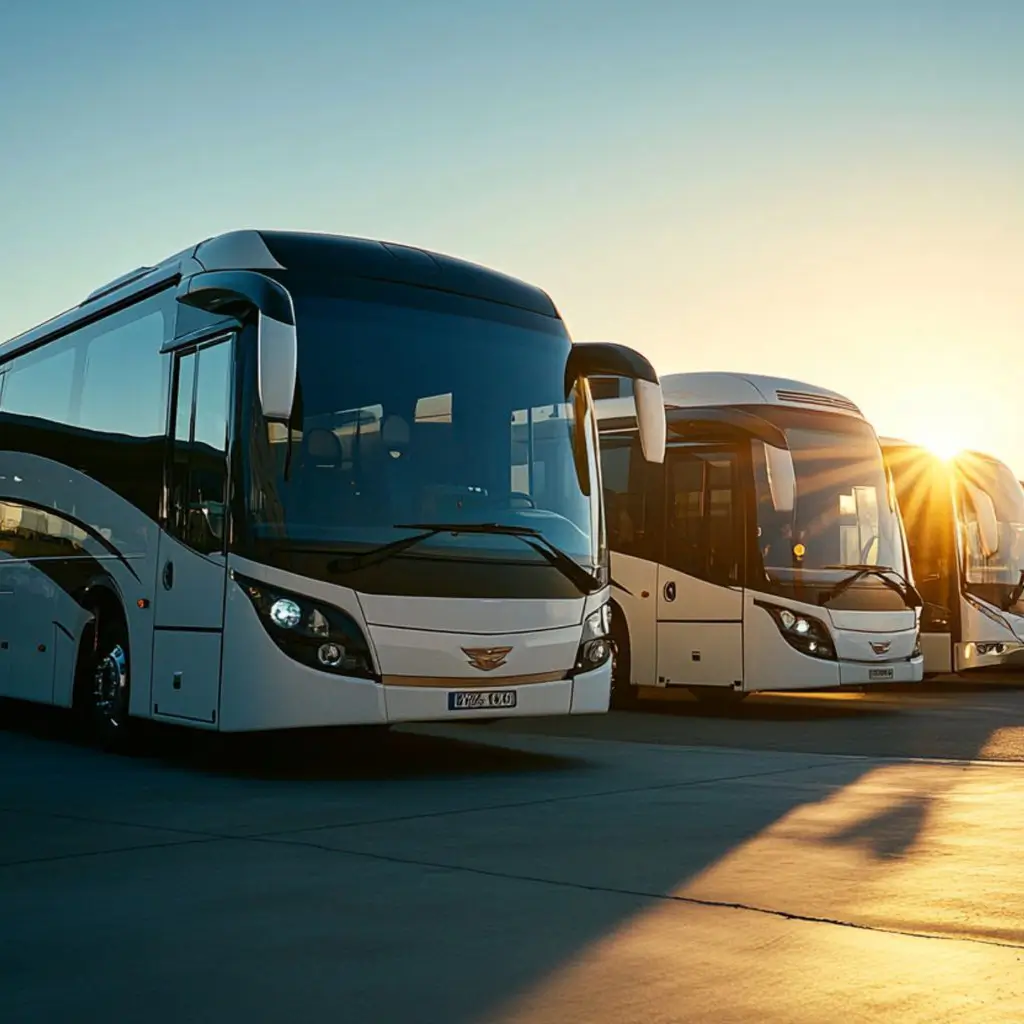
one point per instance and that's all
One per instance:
(1016, 594)
(885, 573)
(571, 570)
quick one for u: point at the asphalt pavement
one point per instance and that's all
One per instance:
(797, 860)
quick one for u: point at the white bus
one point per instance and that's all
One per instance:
(965, 530)
(284, 480)
(766, 553)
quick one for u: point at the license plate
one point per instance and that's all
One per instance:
(881, 673)
(475, 700)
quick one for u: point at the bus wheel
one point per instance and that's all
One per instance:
(721, 698)
(104, 684)
(623, 692)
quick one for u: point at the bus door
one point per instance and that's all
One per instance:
(700, 578)
(192, 560)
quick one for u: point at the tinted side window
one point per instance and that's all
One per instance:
(199, 464)
(703, 534)
(625, 497)
(40, 383)
(95, 400)
(123, 388)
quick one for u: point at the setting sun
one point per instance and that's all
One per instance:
(942, 444)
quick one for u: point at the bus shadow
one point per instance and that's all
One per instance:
(331, 754)
(571, 882)
(349, 754)
(981, 681)
(769, 707)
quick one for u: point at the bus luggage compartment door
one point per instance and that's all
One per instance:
(188, 635)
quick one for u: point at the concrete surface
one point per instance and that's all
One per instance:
(504, 873)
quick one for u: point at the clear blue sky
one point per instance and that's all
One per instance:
(831, 191)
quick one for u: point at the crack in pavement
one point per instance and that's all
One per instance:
(202, 835)
(659, 896)
(135, 848)
(288, 837)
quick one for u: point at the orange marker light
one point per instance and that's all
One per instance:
(799, 550)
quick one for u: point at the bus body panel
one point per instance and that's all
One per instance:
(770, 663)
(188, 622)
(636, 595)
(413, 654)
(700, 653)
(428, 703)
(420, 662)
(938, 652)
(477, 615)
(264, 688)
(111, 544)
(683, 598)
(987, 644)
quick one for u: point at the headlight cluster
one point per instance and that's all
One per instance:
(317, 634)
(991, 648)
(805, 633)
(595, 646)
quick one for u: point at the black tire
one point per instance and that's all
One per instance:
(103, 679)
(624, 695)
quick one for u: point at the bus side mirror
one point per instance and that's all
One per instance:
(781, 477)
(988, 523)
(608, 359)
(239, 293)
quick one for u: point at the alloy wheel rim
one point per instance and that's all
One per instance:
(110, 685)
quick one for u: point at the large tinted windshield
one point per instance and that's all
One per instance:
(424, 410)
(844, 512)
(988, 477)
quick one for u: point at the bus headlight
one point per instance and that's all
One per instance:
(805, 633)
(595, 646)
(317, 634)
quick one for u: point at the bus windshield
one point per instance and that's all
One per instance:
(845, 513)
(993, 577)
(416, 414)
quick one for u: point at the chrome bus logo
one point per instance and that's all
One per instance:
(487, 659)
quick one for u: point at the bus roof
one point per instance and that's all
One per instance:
(683, 390)
(701, 390)
(338, 255)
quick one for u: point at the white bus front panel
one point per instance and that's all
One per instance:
(770, 663)
(426, 673)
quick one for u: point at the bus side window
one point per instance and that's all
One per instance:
(623, 478)
(702, 536)
(199, 470)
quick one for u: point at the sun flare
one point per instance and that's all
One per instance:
(942, 441)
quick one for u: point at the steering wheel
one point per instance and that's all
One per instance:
(522, 496)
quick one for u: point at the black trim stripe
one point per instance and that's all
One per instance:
(93, 533)
(64, 630)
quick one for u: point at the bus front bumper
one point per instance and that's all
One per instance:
(881, 673)
(453, 699)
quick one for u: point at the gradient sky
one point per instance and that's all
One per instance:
(824, 190)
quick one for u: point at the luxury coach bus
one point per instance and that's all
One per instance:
(765, 553)
(284, 480)
(965, 527)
